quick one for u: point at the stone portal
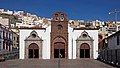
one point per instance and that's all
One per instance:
(33, 46)
(84, 46)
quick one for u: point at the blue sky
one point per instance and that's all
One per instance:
(75, 9)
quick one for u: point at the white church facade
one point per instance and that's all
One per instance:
(58, 41)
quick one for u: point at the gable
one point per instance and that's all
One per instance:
(33, 37)
(84, 37)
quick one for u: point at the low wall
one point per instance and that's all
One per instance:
(110, 56)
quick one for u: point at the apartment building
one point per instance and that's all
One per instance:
(7, 38)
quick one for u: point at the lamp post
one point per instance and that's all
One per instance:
(115, 12)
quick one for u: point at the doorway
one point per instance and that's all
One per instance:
(33, 51)
(59, 50)
(84, 51)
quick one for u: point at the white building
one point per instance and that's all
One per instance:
(58, 41)
(80, 36)
(6, 11)
(4, 21)
(6, 39)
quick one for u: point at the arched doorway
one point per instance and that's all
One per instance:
(84, 50)
(33, 51)
(59, 50)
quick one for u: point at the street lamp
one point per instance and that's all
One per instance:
(115, 12)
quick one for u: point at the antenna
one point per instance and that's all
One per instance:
(114, 12)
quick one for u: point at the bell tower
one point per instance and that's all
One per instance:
(59, 35)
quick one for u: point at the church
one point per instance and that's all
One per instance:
(58, 40)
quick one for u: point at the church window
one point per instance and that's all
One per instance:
(56, 15)
(33, 35)
(60, 26)
(84, 35)
(62, 15)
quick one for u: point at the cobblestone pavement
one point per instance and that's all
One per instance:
(54, 63)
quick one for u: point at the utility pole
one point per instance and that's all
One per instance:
(115, 12)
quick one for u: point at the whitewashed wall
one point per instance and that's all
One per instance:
(73, 35)
(45, 35)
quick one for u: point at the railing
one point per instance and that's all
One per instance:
(10, 54)
(110, 56)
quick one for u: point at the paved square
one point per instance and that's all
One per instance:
(54, 63)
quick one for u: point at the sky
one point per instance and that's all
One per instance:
(75, 9)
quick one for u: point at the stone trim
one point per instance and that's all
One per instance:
(29, 40)
(81, 40)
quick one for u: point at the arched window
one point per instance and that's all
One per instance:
(84, 35)
(33, 35)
